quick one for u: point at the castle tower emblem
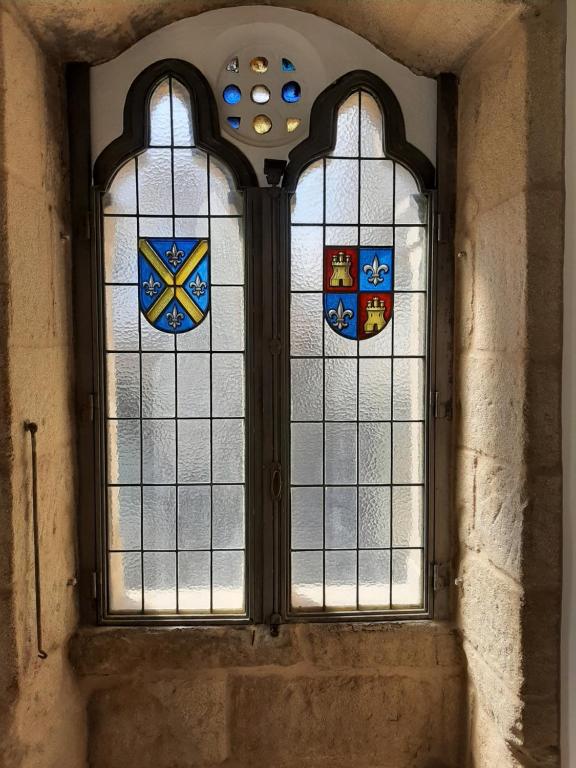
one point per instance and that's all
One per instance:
(341, 277)
(376, 319)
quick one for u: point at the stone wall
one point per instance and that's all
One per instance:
(368, 696)
(41, 714)
(508, 341)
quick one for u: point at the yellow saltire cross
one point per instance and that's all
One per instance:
(174, 282)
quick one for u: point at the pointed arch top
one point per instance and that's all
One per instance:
(323, 125)
(136, 125)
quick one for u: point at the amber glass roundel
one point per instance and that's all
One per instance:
(259, 64)
(262, 124)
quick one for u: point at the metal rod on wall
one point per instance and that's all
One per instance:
(32, 428)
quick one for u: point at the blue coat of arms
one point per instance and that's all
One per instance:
(358, 289)
(174, 284)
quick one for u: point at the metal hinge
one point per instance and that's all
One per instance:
(441, 576)
(276, 481)
(440, 409)
(94, 585)
(91, 405)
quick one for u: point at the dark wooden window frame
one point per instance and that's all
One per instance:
(267, 241)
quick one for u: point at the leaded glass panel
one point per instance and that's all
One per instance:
(175, 375)
(359, 354)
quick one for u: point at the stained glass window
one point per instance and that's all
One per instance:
(174, 368)
(358, 347)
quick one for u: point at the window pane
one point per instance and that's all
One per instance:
(358, 375)
(175, 374)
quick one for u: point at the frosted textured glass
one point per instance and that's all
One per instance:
(340, 516)
(194, 582)
(194, 516)
(307, 580)
(159, 516)
(307, 201)
(410, 264)
(181, 116)
(198, 341)
(306, 461)
(380, 345)
(338, 346)
(121, 317)
(307, 518)
(348, 122)
(374, 579)
(159, 581)
(121, 196)
(225, 200)
(155, 182)
(123, 385)
(306, 324)
(408, 453)
(153, 340)
(228, 517)
(341, 191)
(124, 517)
(120, 238)
(158, 451)
(407, 578)
(196, 226)
(408, 516)
(228, 582)
(306, 259)
(340, 454)
(341, 235)
(123, 452)
(411, 204)
(227, 319)
(306, 389)
(158, 377)
(340, 377)
(125, 578)
(376, 191)
(190, 182)
(408, 388)
(193, 385)
(227, 251)
(377, 236)
(151, 226)
(227, 385)
(228, 450)
(374, 453)
(375, 389)
(341, 580)
(409, 324)
(371, 134)
(374, 516)
(194, 451)
(160, 115)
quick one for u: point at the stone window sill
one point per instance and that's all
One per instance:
(103, 651)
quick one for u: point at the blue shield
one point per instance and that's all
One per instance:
(358, 289)
(174, 282)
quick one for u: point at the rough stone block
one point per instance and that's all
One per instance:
(168, 724)
(343, 720)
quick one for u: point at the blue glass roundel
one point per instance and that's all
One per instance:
(287, 66)
(291, 92)
(232, 94)
(233, 122)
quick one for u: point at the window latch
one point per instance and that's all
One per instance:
(276, 481)
(441, 409)
(441, 576)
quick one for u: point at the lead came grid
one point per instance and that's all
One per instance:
(175, 403)
(358, 408)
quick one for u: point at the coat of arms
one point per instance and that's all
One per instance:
(358, 289)
(174, 284)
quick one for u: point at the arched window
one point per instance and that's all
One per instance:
(264, 442)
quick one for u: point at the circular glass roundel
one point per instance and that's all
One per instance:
(259, 64)
(291, 92)
(232, 94)
(262, 124)
(260, 94)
